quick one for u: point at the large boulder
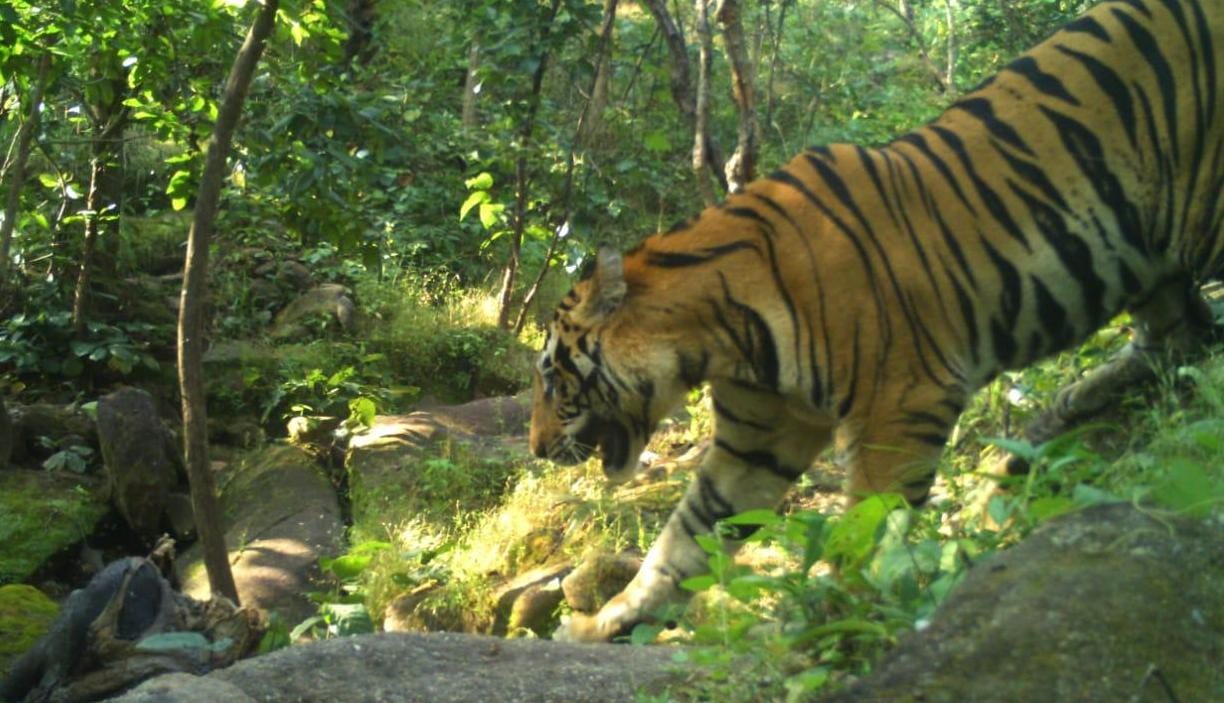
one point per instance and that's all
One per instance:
(384, 463)
(429, 668)
(1107, 604)
(143, 464)
(281, 515)
(43, 514)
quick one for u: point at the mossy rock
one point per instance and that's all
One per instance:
(41, 514)
(25, 615)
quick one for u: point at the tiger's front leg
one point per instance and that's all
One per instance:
(754, 459)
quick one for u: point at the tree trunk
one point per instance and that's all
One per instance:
(591, 122)
(950, 75)
(905, 13)
(191, 309)
(681, 85)
(741, 167)
(359, 46)
(100, 247)
(505, 298)
(80, 297)
(471, 86)
(16, 175)
(701, 117)
(589, 110)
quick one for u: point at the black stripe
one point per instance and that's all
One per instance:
(1208, 60)
(1111, 85)
(843, 408)
(940, 165)
(1087, 25)
(768, 234)
(1074, 254)
(969, 315)
(1033, 174)
(1149, 49)
(981, 109)
(679, 259)
(1053, 318)
(1085, 149)
(724, 412)
(993, 202)
(1046, 83)
(763, 459)
(754, 341)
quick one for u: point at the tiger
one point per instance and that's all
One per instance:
(857, 297)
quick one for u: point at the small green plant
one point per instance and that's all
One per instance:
(342, 611)
(73, 457)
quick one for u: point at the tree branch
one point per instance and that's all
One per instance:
(191, 308)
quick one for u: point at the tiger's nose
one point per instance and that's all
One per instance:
(539, 447)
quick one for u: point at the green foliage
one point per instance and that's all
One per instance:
(26, 341)
(341, 611)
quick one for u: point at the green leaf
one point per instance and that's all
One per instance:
(760, 517)
(178, 641)
(1188, 489)
(657, 142)
(489, 213)
(49, 180)
(700, 583)
(854, 535)
(1050, 506)
(347, 567)
(363, 410)
(482, 181)
(348, 618)
(476, 198)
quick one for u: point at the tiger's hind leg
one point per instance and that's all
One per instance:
(1174, 323)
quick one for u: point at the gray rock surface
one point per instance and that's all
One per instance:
(427, 668)
(281, 515)
(141, 459)
(1107, 604)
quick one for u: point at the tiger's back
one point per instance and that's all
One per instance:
(861, 295)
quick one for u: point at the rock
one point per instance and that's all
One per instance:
(315, 433)
(436, 668)
(598, 578)
(1106, 604)
(524, 601)
(106, 637)
(506, 415)
(142, 462)
(382, 461)
(43, 514)
(329, 299)
(403, 613)
(180, 515)
(25, 615)
(535, 610)
(281, 515)
(185, 687)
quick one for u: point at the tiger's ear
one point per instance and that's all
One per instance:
(607, 286)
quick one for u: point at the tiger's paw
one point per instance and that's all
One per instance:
(579, 627)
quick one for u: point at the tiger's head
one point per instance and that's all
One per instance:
(603, 379)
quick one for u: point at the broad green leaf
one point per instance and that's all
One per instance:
(656, 142)
(482, 181)
(474, 199)
(489, 213)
